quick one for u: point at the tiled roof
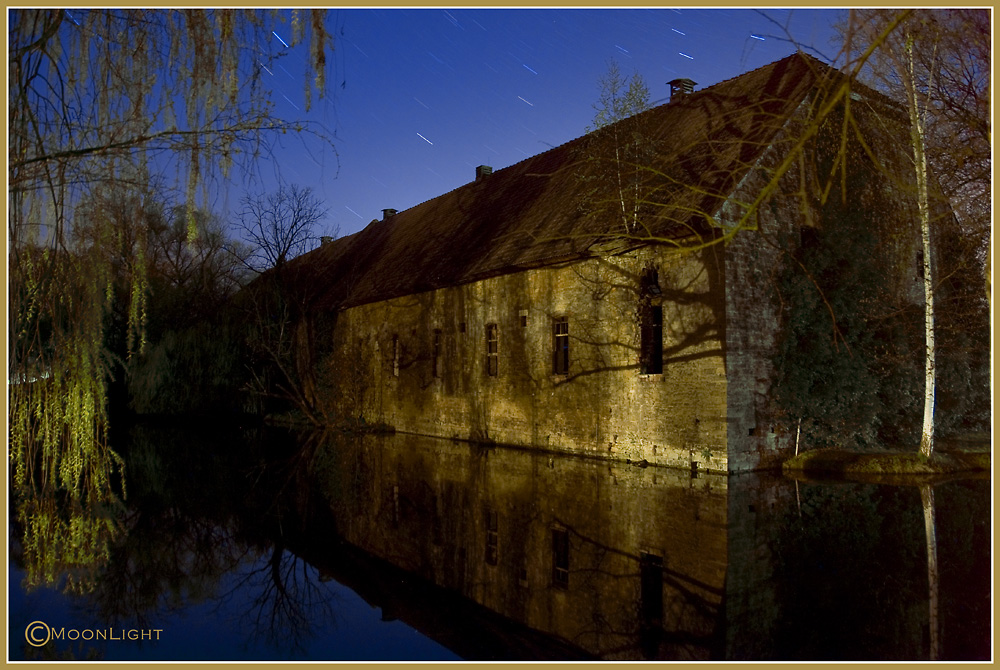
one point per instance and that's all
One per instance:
(530, 213)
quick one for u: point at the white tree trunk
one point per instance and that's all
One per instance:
(920, 166)
(927, 431)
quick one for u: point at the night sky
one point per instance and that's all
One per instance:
(417, 98)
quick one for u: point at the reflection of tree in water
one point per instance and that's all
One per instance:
(870, 537)
(67, 507)
(179, 539)
(885, 572)
(290, 604)
(167, 559)
(62, 539)
(196, 512)
(927, 502)
(239, 515)
(670, 616)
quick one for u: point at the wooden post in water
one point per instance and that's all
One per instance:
(798, 431)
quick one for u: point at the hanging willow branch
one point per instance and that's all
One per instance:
(99, 98)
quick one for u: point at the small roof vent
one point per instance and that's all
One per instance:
(388, 213)
(680, 87)
(483, 171)
(325, 240)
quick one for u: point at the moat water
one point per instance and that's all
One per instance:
(264, 544)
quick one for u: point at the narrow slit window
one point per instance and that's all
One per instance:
(560, 346)
(395, 506)
(560, 557)
(395, 355)
(492, 526)
(436, 353)
(492, 348)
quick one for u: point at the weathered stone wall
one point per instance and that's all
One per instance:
(384, 368)
(755, 256)
(769, 250)
(753, 319)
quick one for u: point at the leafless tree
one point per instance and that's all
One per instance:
(614, 186)
(279, 225)
(937, 61)
(280, 321)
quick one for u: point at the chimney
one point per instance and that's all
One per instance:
(388, 213)
(680, 87)
(483, 171)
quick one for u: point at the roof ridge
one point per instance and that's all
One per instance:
(586, 134)
(540, 157)
(758, 69)
(511, 219)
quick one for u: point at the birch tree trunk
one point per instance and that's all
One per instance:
(920, 167)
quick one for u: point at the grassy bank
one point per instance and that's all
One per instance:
(949, 458)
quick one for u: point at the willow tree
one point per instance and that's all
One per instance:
(115, 96)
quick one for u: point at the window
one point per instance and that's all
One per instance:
(651, 324)
(395, 355)
(651, 352)
(523, 317)
(492, 337)
(560, 557)
(436, 353)
(560, 346)
(491, 520)
(651, 587)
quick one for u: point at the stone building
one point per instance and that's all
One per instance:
(622, 308)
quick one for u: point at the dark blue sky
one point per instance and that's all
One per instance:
(419, 97)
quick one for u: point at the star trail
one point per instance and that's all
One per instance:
(496, 85)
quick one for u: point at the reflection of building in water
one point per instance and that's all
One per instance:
(623, 562)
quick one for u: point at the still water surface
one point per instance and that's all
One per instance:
(268, 545)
